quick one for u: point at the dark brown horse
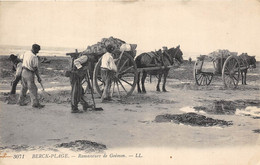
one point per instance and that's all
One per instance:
(246, 62)
(154, 59)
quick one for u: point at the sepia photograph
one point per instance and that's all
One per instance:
(130, 82)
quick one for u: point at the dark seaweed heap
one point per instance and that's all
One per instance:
(83, 145)
(256, 131)
(192, 119)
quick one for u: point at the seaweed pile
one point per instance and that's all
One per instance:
(83, 145)
(192, 119)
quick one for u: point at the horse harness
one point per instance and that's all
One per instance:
(244, 61)
(168, 56)
(157, 58)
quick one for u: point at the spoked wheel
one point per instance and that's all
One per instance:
(124, 81)
(201, 78)
(231, 72)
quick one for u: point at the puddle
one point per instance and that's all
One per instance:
(192, 119)
(218, 108)
(221, 107)
(249, 111)
(190, 109)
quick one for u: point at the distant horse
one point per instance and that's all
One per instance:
(158, 58)
(248, 62)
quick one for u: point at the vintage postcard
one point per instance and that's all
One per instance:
(130, 82)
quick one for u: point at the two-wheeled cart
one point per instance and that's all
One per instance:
(125, 79)
(229, 67)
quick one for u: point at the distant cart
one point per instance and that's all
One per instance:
(229, 67)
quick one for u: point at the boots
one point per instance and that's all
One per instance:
(38, 106)
(74, 109)
(21, 101)
(86, 106)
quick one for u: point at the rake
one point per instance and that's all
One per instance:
(91, 88)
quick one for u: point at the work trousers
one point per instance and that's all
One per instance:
(107, 77)
(77, 91)
(28, 83)
(17, 78)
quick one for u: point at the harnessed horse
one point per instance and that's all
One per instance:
(246, 62)
(153, 59)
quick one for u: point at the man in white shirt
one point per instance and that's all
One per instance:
(29, 70)
(108, 69)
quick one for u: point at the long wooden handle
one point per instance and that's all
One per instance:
(42, 86)
(91, 88)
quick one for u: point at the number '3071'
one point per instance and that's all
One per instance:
(18, 156)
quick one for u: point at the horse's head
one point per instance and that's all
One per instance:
(176, 54)
(252, 62)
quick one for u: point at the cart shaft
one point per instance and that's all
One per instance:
(154, 68)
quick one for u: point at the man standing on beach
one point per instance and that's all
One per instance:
(78, 73)
(108, 70)
(29, 70)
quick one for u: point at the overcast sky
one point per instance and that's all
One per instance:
(199, 27)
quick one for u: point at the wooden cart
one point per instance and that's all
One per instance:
(125, 79)
(229, 68)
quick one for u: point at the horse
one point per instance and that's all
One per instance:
(247, 62)
(158, 58)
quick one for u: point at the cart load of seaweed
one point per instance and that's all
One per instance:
(100, 47)
(217, 55)
(217, 58)
(221, 53)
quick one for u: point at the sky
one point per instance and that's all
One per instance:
(198, 26)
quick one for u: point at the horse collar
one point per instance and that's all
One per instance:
(245, 59)
(170, 58)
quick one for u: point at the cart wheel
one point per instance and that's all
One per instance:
(201, 78)
(125, 79)
(231, 72)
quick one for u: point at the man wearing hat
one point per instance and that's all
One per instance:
(78, 73)
(108, 69)
(29, 70)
